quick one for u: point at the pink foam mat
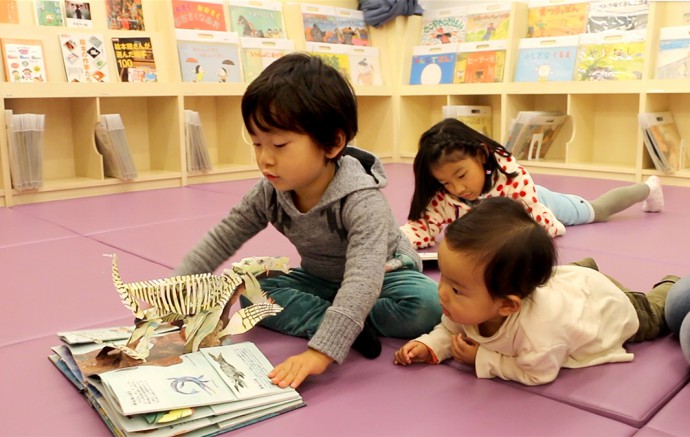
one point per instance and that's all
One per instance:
(62, 285)
(17, 227)
(671, 420)
(90, 215)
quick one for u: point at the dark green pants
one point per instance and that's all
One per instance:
(649, 306)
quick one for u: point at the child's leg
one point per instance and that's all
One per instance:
(650, 309)
(569, 209)
(304, 299)
(408, 305)
(622, 198)
(678, 304)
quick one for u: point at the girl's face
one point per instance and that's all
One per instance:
(292, 161)
(462, 291)
(463, 177)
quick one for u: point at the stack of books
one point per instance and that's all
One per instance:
(211, 391)
(25, 134)
(198, 158)
(663, 141)
(532, 133)
(111, 142)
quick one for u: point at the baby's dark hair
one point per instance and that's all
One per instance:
(448, 141)
(300, 93)
(517, 252)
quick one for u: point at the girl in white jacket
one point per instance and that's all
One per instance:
(511, 314)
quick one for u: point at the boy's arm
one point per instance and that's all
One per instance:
(243, 221)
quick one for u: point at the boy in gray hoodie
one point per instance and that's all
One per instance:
(359, 276)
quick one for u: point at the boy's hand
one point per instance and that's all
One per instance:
(412, 352)
(295, 369)
(464, 349)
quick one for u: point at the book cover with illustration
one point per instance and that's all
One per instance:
(352, 30)
(548, 59)
(610, 56)
(209, 56)
(257, 19)
(478, 118)
(319, 23)
(49, 12)
(433, 64)
(199, 15)
(486, 22)
(23, 60)
(258, 53)
(135, 60)
(365, 65)
(125, 14)
(332, 54)
(443, 26)
(78, 14)
(84, 57)
(663, 141)
(673, 58)
(617, 15)
(480, 62)
(556, 18)
(8, 12)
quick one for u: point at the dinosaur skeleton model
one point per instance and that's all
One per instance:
(198, 301)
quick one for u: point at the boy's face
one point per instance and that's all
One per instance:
(462, 291)
(291, 161)
(463, 178)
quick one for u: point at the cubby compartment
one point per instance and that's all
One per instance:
(154, 133)
(228, 143)
(678, 104)
(417, 114)
(376, 120)
(70, 158)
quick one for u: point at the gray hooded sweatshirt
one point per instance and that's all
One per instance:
(347, 237)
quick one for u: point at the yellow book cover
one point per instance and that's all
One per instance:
(556, 18)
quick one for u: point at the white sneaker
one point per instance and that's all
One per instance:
(655, 200)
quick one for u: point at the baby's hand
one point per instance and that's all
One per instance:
(412, 352)
(464, 349)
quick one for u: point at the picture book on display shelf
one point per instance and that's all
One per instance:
(125, 14)
(663, 142)
(8, 12)
(135, 59)
(532, 134)
(673, 57)
(480, 62)
(443, 26)
(259, 53)
(556, 18)
(549, 59)
(49, 13)
(359, 63)
(23, 60)
(257, 19)
(487, 22)
(199, 15)
(610, 56)
(617, 15)
(320, 23)
(78, 14)
(433, 64)
(207, 56)
(352, 30)
(207, 392)
(84, 57)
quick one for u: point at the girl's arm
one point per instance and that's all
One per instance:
(441, 211)
(440, 340)
(529, 368)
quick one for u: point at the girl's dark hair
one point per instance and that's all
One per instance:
(300, 93)
(518, 253)
(449, 141)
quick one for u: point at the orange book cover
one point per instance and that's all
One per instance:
(8, 12)
(199, 15)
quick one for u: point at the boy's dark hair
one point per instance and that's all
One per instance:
(448, 141)
(300, 93)
(518, 253)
